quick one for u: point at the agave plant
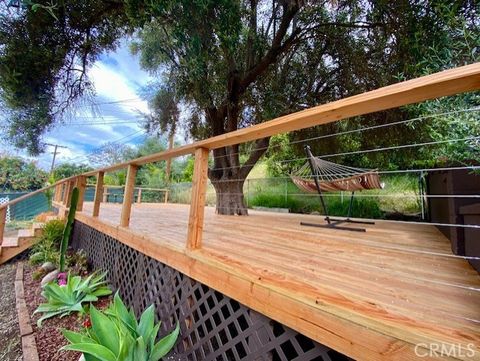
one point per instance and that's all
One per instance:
(116, 335)
(66, 297)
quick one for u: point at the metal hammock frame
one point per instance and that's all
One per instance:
(332, 177)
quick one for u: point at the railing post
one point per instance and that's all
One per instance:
(55, 193)
(63, 195)
(166, 196)
(197, 204)
(105, 194)
(64, 192)
(68, 195)
(98, 194)
(81, 184)
(128, 196)
(3, 220)
(139, 195)
(58, 195)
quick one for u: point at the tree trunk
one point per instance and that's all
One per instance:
(230, 199)
(227, 174)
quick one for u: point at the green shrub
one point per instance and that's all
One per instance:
(67, 298)
(47, 247)
(53, 231)
(117, 335)
(366, 207)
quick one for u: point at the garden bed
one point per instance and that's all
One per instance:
(49, 338)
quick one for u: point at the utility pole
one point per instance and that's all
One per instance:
(55, 152)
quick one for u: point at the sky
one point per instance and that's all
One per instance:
(117, 78)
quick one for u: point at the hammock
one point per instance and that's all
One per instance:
(334, 177)
(318, 175)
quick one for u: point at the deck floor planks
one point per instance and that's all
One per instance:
(387, 275)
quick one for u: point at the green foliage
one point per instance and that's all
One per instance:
(399, 197)
(53, 231)
(63, 300)
(187, 174)
(66, 170)
(280, 150)
(17, 174)
(116, 335)
(68, 228)
(46, 51)
(117, 178)
(460, 46)
(47, 247)
(362, 207)
(77, 262)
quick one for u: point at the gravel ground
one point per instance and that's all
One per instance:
(10, 343)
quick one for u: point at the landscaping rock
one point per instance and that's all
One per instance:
(49, 277)
(48, 267)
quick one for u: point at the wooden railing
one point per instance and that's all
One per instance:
(449, 82)
(140, 192)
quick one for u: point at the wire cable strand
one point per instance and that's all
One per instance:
(474, 109)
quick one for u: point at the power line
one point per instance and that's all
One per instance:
(96, 150)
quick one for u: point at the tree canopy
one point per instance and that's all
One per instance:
(17, 174)
(66, 170)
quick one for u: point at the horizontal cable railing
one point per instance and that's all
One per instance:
(450, 82)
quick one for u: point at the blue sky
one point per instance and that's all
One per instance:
(117, 77)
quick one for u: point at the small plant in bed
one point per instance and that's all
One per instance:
(115, 335)
(47, 247)
(69, 293)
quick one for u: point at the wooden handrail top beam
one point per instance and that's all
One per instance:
(448, 82)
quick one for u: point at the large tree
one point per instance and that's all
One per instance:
(229, 64)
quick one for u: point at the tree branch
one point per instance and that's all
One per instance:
(277, 48)
(261, 146)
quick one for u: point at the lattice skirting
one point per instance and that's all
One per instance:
(213, 326)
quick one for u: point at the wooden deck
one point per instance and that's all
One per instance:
(379, 295)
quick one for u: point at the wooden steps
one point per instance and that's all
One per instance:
(12, 246)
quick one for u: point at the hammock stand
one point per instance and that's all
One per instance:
(331, 177)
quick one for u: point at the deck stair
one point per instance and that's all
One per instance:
(25, 238)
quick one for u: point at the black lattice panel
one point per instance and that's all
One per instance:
(213, 326)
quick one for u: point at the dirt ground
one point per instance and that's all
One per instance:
(10, 343)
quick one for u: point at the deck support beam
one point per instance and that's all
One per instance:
(98, 194)
(128, 195)
(197, 205)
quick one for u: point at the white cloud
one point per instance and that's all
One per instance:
(113, 85)
(116, 77)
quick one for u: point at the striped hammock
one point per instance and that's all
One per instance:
(334, 177)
